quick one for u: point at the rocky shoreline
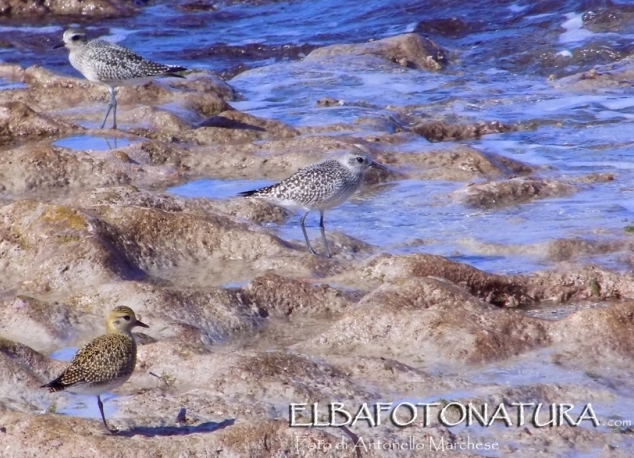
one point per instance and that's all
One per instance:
(83, 231)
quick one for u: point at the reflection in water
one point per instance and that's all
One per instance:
(93, 143)
(65, 354)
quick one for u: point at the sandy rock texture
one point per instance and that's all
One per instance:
(243, 320)
(409, 50)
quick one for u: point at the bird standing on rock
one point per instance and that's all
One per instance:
(320, 186)
(112, 65)
(105, 363)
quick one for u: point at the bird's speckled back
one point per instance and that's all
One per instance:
(322, 185)
(107, 358)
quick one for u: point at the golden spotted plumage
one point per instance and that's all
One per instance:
(105, 363)
(108, 358)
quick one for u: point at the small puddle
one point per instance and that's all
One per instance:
(65, 354)
(6, 84)
(216, 189)
(93, 143)
(85, 406)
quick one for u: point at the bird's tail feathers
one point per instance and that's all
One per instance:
(54, 385)
(173, 69)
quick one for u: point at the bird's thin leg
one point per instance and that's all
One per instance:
(301, 221)
(323, 232)
(111, 105)
(103, 417)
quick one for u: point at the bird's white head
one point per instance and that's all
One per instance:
(73, 39)
(358, 161)
(121, 320)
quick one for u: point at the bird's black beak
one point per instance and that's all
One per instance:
(59, 45)
(142, 324)
(376, 165)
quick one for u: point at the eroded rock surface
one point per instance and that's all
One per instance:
(408, 50)
(243, 320)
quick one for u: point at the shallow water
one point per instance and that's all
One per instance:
(84, 406)
(500, 63)
(497, 73)
(575, 134)
(92, 143)
(415, 216)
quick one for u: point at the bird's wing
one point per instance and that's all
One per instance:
(100, 360)
(127, 61)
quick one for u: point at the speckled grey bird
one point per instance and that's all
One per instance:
(105, 363)
(112, 65)
(320, 186)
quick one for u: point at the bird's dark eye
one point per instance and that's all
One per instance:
(360, 159)
(126, 317)
(75, 37)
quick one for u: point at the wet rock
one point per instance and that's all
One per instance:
(564, 286)
(88, 8)
(255, 210)
(158, 237)
(602, 335)
(52, 248)
(236, 127)
(460, 163)
(192, 320)
(453, 27)
(274, 159)
(51, 434)
(494, 289)
(203, 83)
(37, 323)
(18, 121)
(426, 312)
(437, 131)
(198, 5)
(155, 119)
(408, 50)
(329, 102)
(156, 153)
(512, 192)
(204, 104)
(23, 371)
(219, 248)
(597, 178)
(38, 76)
(570, 285)
(615, 75)
(31, 361)
(286, 368)
(567, 249)
(39, 168)
(284, 296)
(609, 18)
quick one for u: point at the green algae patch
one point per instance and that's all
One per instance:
(66, 216)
